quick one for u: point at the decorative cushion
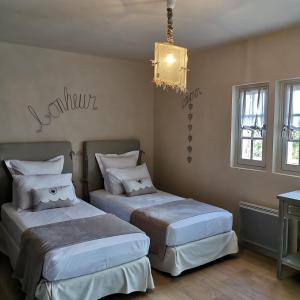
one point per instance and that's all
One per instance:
(22, 186)
(106, 161)
(53, 197)
(117, 176)
(26, 167)
(141, 186)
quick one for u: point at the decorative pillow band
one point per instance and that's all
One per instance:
(141, 186)
(27, 167)
(120, 161)
(53, 197)
(22, 186)
(117, 176)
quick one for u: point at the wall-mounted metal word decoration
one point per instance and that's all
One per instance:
(188, 102)
(69, 102)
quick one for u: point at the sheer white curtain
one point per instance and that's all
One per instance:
(292, 108)
(253, 103)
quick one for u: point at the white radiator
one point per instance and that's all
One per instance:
(259, 228)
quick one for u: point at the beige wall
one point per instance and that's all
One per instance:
(209, 177)
(36, 77)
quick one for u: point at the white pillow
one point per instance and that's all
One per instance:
(26, 167)
(120, 161)
(53, 197)
(23, 185)
(140, 186)
(117, 176)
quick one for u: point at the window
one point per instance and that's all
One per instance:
(290, 126)
(251, 119)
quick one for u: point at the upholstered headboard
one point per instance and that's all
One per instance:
(92, 177)
(30, 151)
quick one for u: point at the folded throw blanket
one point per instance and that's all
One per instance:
(154, 220)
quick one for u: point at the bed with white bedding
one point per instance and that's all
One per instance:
(190, 242)
(79, 259)
(87, 270)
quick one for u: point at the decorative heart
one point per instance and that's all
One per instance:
(189, 148)
(189, 159)
(190, 138)
(190, 116)
(190, 127)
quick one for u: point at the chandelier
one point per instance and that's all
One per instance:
(170, 61)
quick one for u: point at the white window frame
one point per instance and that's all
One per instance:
(236, 142)
(281, 139)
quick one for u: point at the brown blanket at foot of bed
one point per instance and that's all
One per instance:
(154, 220)
(37, 241)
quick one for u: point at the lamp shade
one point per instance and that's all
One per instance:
(170, 66)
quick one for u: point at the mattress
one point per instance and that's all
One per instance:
(178, 233)
(80, 259)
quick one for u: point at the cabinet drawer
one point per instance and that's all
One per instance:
(294, 210)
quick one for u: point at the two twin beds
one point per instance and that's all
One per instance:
(115, 264)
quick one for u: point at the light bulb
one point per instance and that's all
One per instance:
(170, 59)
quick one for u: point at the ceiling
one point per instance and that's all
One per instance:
(128, 28)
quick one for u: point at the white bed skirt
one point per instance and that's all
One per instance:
(131, 277)
(127, 278)
(180, 258)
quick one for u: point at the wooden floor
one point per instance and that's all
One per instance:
(246, 276)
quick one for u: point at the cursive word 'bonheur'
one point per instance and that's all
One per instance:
(59, 106)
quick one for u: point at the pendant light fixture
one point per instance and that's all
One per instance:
(170, 61)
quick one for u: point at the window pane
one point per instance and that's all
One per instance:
(257, 149)
(295, 135)
(295, 121)
(257, 133)
(292, 153)
(296, 101)
(292, 114)
(246, 133)
(246, 149)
